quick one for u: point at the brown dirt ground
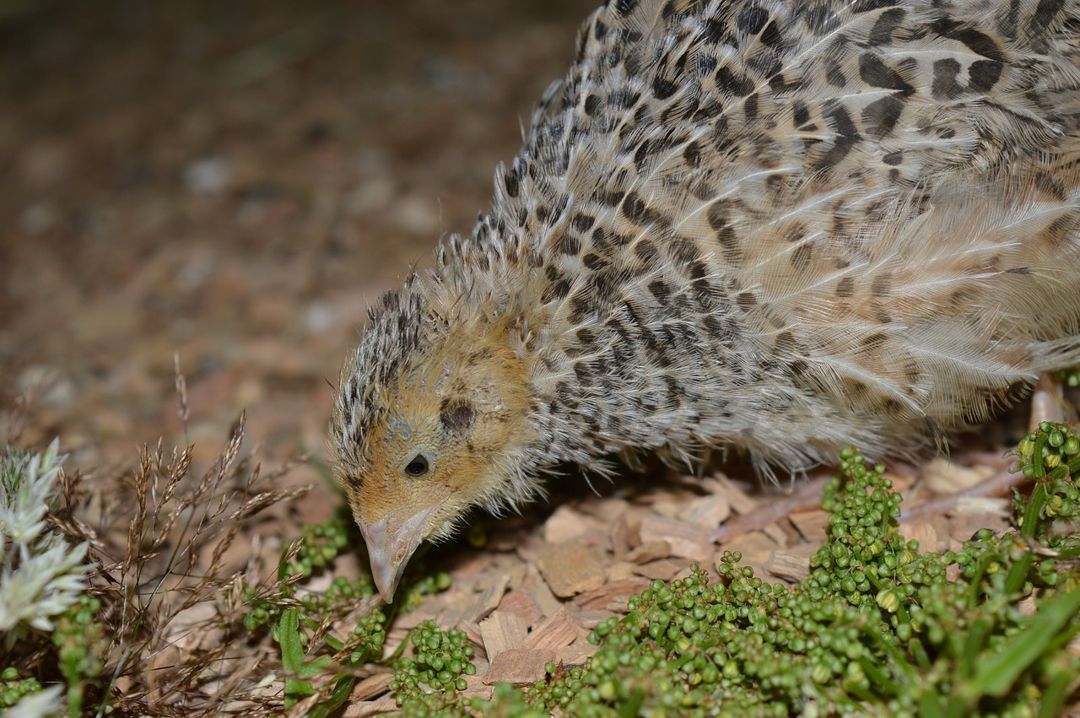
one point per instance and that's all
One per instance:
(232, 183)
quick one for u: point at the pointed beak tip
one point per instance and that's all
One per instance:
(385, 571)
(389, 549)
(386, 578)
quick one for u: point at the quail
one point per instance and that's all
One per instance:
(780, 227)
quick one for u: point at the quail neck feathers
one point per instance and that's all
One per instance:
(780, 227)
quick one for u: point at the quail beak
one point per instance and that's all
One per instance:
(390, 542)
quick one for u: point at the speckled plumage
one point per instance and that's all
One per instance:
(783, 227)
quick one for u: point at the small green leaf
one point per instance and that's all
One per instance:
(299, 689)
(998, 673)
(340, 694)
(292, 653)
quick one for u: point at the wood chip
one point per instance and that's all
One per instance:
(612, 596)
(608, 510)
(575, 654)
(566, 524)
(506, 535)
(811, 524)
(925, 532)
(1026, 606)
(412, 619)
(572, 567)
(475, 686)
(755, 548)
(489, 598)
(558, 631)
(521, 603)
(520, 666)
(944, 477)
(792, 537)
(706, 511)
(530, 547)
(664, 569)
(777, 508)
(994, 505)
(590, 619)
(364, 709)
(963, 526)
(472, 631)
(649, 551)
(687, 540)
(777, 534)
(619, 571)
(502, 631)
(791, 565)
(540, 592)
(371, 687)
(396, 636)
(621, 539)
(686, 572)
(737, 498)
(667, 508)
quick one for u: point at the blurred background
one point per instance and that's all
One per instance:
(233, 183)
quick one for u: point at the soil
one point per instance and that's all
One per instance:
(232, 184)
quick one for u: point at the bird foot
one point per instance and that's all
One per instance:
(1048, 403)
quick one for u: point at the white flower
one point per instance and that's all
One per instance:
(41, 575)
(25, 483)
(46, 582)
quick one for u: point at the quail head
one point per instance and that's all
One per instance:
(779, 227)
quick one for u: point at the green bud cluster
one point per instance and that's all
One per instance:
(425, 586)
(13, 688)
(439, 660)
(506, 702)
(79, 643)
(433, 665)
(321, 544)
(341, 597)
(343, 593)
(876, 628)
(260, 613)
(864, 546)
(1070, 377)
(1050, 455)
(368, 638)
(1052, 450)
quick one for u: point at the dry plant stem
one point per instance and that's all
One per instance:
(809, 497)
(997, 485)
(162, 548)
(183, 408)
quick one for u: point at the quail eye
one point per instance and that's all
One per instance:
(417, 466)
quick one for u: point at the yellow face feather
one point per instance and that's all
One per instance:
(440, 448)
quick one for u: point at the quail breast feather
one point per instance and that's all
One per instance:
(782, 227)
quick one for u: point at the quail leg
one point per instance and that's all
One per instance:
(1048, 402)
